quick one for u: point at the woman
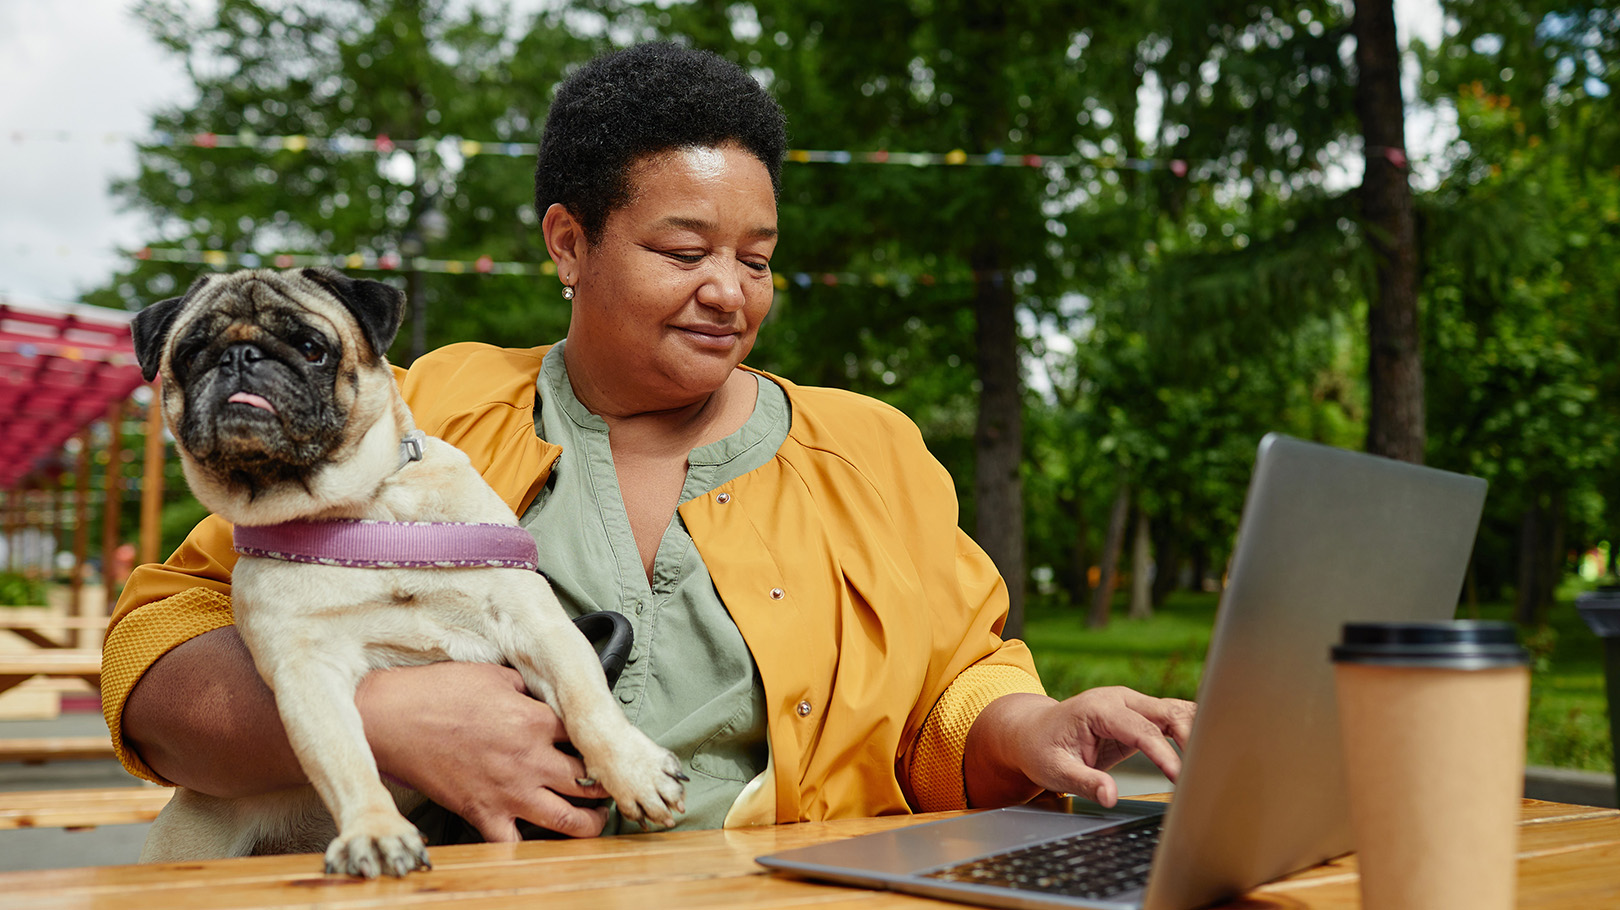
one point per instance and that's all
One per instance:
(815, 636)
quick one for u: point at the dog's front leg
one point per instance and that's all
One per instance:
(561, 669)
(315, 697)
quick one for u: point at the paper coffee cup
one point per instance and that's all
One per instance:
(1432, 718)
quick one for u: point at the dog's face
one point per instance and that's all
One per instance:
(269, 377)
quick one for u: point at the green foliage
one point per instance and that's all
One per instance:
(1523, 301)
(17, 590)
(1168, 319)
(180, 514)
(1164, 655)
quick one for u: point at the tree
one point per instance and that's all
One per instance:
(969, 75)
(1526, 316)
(1395, 422)
(336, 130)
(1519, 244)
(1005, 243)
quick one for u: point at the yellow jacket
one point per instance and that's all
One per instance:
(873, 619)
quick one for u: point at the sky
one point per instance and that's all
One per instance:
(87, 68)
(78, 79)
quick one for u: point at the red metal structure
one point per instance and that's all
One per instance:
(61, 366)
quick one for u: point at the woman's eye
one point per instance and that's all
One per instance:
(757, 265)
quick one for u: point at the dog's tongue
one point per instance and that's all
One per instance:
(248, 398)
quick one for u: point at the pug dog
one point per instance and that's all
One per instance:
(283, 408)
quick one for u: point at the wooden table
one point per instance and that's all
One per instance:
(81, 808)
(1569, 858)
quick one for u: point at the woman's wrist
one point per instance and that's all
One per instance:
(992, 764)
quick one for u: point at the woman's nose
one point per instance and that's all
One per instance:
(723, 288)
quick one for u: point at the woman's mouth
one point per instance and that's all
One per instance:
(717, 338)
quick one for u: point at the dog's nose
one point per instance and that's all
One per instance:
(241, 356)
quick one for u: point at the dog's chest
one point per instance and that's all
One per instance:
(390, 616)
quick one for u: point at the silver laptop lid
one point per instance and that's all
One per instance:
(1327, 537)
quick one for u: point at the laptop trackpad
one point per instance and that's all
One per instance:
(922, 847)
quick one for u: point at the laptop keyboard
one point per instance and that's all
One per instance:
(1092, 864)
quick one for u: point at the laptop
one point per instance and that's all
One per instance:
(1327, 537)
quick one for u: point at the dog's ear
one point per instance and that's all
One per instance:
(378, 307)
(150, 329)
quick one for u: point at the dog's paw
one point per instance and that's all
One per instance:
(645, 781)
(394, 849)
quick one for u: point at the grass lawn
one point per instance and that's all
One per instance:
(1164, 655)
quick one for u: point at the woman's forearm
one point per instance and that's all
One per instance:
(202, 718)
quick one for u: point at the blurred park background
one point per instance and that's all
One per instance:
(1095, 250)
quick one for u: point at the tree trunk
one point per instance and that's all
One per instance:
(1167, 562)
(1538, 538)
(1142, 568)
(999, 440)
(1471, 589)
(1524, 609)
(1554, 551)
(1395, 420)
(1102, 597)
(1200, 566)
(1076, 578)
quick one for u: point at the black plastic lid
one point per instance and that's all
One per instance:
(1601, 610)
(1460, 645)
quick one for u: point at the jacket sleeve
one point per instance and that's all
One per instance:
(932, 769)
(967, 601)
(164, 604)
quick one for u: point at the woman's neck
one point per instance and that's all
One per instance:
(639, 420)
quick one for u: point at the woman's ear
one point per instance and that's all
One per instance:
(565, 241)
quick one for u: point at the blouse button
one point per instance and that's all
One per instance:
(803, 709)
(777, 594)
(723, 498)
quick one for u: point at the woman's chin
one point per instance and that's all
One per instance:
(695, 381)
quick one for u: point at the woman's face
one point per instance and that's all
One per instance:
(668, 301)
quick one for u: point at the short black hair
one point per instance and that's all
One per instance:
(645, 99)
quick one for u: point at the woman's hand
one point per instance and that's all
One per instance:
(1023, 744)
(470, 738)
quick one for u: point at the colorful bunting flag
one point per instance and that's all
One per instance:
(487, 265)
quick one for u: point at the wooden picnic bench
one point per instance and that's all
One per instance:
(38, 750)
(33, 629)
(62, 663)
(81, 808)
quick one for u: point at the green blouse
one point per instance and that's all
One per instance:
(690, 682)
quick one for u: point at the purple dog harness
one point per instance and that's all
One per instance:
(362, 544)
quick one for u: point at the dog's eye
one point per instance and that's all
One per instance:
(187, 355)
(310, 348)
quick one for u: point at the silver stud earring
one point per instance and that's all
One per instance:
(568, 292)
